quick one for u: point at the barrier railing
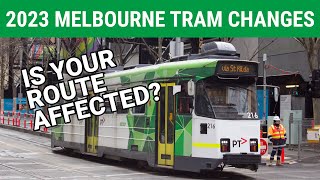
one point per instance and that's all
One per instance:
(21, 120)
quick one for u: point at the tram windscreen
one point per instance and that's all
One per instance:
(226, 99)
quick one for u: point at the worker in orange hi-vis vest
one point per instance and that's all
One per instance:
(277, 135)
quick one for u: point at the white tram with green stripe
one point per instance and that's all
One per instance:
(206, 117)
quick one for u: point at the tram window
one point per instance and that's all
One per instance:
(170, 121)
(119, 107)
(108, 107)
(221, 99)
(185, 102)
(161, 115)
(96, 121)
(203, 106)
(89, 127)
(139, 109)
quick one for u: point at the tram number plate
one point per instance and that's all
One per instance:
(211, 126)
(165, 156)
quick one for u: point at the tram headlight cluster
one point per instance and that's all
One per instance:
(225, 145)
(253, 145)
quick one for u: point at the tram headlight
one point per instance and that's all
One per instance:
(253, 145)
(225, 145)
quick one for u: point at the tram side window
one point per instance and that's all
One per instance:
(139, 109)
(185, 102)
(78, 98)
(119, 107)
(106, 104)
(202, 105)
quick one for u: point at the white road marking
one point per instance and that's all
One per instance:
(12, 177)
(32, 170)
(93, 167)
(74, 177)
(104, 176)
(117, 175)
(20, 163)
(282, 171)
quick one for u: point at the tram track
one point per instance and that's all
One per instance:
(26, 140)
(21, 171)
(44, 163)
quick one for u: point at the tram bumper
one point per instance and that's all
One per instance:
(232, 159)
(248, 161)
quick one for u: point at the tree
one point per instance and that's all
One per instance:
(8, 67)
(312, 47)
(3, 63)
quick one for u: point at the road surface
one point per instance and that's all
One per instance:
(25, 156)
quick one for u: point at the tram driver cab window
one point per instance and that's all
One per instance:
(185, 102)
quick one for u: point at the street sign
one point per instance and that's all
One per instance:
(313, 135)
(263, 147)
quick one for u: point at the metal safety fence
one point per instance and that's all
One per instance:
(303, 136)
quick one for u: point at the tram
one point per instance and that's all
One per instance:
(206, 117)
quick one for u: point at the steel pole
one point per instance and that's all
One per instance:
(290, 134)
(20, 91)
(177, 48)
(58, 48)
(290, 124)
(299, 141)
(103, 43)
(264, 89)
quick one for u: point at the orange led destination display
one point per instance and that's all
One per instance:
(236, 68)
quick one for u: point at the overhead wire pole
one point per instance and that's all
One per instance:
(20, 90)
(103, 43)
(264, 89)
(177, 48)
(58, 45)
(23, 64)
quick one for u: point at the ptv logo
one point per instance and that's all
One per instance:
(238, 142)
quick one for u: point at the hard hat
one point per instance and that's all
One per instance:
(276, 118)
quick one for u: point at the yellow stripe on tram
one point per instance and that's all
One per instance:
(206, 145)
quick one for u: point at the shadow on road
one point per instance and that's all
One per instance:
(133, 165)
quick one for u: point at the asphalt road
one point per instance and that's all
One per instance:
(25, 156)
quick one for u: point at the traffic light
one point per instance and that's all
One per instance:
(315, 84)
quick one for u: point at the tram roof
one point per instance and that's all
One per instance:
(198, 67)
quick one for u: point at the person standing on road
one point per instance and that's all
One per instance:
(277, 135)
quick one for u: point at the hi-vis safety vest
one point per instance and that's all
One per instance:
(275, 132)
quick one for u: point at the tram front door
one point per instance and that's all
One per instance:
(91, 126)
(166, 119)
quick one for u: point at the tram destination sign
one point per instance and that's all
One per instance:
(232, 68)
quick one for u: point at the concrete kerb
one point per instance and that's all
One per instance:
(47, 135)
